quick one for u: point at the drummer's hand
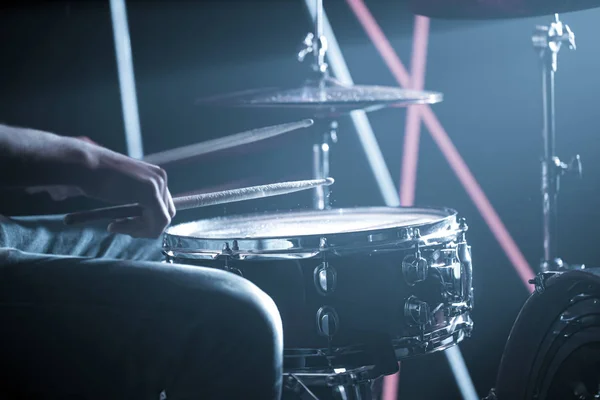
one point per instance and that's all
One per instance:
(119, 179)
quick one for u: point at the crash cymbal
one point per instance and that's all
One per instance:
(496, 9)
(327, 95)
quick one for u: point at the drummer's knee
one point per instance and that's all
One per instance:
(259, 313)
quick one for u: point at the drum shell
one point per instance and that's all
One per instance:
(369, 296)
(392, 266)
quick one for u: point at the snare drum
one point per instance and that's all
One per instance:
(360, 287)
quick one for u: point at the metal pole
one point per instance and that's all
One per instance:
(359, 118)
(549, 171)
(326, 135)
(129, 104)
(547, 40)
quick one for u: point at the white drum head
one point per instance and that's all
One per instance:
(306, 223)
(304, 230)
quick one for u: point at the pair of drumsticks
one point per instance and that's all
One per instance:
(215, 198)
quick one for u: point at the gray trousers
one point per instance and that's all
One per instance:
(89, 315)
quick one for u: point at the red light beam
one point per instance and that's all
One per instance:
(410, 157)
(446, 146)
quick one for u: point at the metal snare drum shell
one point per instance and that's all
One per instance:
(347, 259)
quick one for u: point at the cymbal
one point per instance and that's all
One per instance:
(326, 95)
(496, 9)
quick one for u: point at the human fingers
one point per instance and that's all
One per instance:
(170, 203)
(156, 215)
(164, 187)
(134, 227)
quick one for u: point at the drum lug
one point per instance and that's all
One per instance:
(325, 278)
(328, 321)
(417, 312)
(463, 252)
(228, 254)
(463, 228)
(414, 267)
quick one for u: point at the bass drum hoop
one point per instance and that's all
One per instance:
(178, 242)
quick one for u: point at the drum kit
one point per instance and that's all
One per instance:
(361, 289)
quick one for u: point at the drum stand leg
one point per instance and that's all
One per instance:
(321, 164)
(359, 391)
(547, 40)
(349, 389)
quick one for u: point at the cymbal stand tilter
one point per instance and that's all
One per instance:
(547, 41)
(316, 43)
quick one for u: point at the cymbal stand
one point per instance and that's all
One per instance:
(325, 137)
(547, 41)
(316, 43)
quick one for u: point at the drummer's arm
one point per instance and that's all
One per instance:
(34, 158)
(31, 157)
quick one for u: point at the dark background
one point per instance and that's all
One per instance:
(58, 73)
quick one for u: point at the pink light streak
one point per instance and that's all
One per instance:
(390, 386)
(408, 177)
(441, 138)
(478, 196)
(411, 151)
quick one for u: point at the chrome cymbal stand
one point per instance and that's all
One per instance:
(547, 41)
(316, 43)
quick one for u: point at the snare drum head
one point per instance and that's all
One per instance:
(309, 231)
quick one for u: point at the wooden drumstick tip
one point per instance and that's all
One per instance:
(329, 181)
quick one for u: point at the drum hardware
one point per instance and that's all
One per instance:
(325, 277)
(328, 322)
(448, 267)
(417, 312)
(547, 41)
(351, 384)
(539, 281)
(316, 43)
(321, 150)
(294, 384)
(227, 255)
(415, 267)
(463, 252)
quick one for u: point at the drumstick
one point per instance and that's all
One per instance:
(224, 143)
(199, 200)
